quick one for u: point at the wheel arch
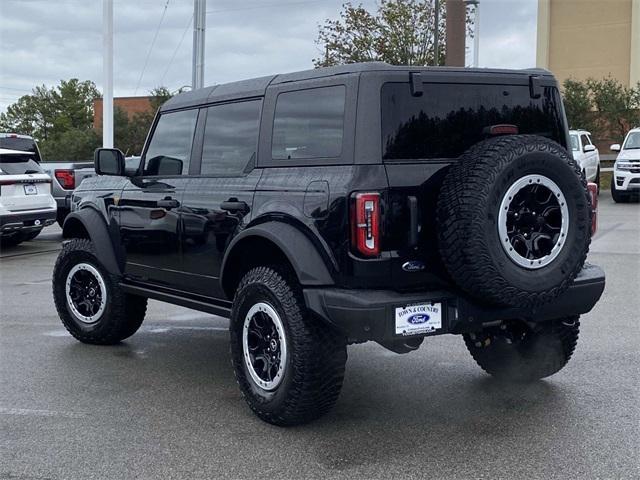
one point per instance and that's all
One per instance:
(273, 243)
(90, 224)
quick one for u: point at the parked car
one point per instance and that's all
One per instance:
(26, 204)
(586, 154)
(65, 176)
(448, 204)
(625, 182)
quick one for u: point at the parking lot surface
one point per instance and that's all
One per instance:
(164, 403)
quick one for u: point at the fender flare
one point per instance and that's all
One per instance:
(308, 264)
(101, 235)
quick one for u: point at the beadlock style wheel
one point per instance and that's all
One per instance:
(264, 346)
(533, 221)
(86, 293)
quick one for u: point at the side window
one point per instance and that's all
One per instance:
(169, 152)
(230, 138)
(585, 140)
(309, 124)
(589, 142)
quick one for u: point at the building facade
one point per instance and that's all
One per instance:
(583, 39)
(129, 105)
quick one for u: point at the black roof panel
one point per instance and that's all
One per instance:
(257, 86)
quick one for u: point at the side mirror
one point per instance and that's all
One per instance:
(589, 148)
(108, 161)
(615, 147)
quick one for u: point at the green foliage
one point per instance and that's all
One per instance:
(401, 32)
(73, 144)
(605, 107)
(61, 120)
(578, 104)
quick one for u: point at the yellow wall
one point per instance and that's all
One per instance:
(590, 38)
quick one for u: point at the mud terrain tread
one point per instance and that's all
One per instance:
(318, 355)
(464, 195)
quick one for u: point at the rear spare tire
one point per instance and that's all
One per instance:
(515, 220)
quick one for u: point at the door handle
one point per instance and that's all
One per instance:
(233, 205)
(168, 203)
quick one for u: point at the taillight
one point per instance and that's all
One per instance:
(67, 179)
(365, 224)
(593, 193)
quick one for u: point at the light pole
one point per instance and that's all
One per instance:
(199, 27)
(107, 72)
(436, 34)
(476, 31)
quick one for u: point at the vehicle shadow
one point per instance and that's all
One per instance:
(386, 408)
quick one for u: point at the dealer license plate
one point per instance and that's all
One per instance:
(418, 319)
(30, 189)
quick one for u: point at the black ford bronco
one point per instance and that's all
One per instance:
(340, 205)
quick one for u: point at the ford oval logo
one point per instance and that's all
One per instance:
(418, 318)
(413, 266)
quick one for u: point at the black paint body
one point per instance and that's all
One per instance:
(184, 238)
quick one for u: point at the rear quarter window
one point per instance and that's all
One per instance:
(309, 124)
(449, 118)
(18, 165)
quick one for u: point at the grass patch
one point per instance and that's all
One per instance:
(605, 180)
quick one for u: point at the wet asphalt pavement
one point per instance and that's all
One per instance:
(164, 404)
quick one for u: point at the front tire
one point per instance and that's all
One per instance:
(516, 352)
(289, 366)
(617, 195)
(90, 301)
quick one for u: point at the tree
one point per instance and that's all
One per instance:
(59, 118)
(578, 104)
(401, 32)
(618, 106)
(130, 133)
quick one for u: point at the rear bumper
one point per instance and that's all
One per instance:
(26, 221)
(370, 314)
(64, 203)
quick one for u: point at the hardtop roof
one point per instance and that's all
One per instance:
(257, 87)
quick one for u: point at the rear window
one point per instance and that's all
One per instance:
(21, 144)
(449, 118)
(18, 165)
(309, 124)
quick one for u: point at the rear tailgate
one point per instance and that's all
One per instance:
(20, 193)
(423, 134)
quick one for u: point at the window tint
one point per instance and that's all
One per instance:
(18, 164)
(22, 144)
(309, 123)
(230, 138)
(448, 119)
(169, 152)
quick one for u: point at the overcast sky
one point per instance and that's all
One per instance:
(44, 41)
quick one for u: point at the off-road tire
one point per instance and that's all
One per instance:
(317, 355)
(468, 210)
(123, 313)
(617, 195)
(543, 351)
